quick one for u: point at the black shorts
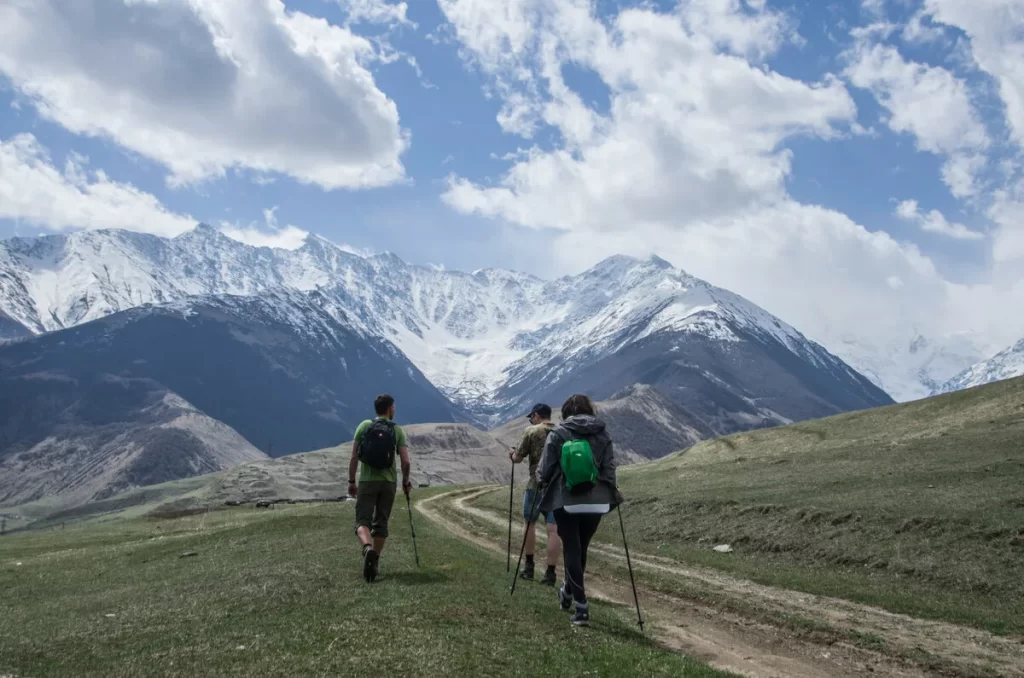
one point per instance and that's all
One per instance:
(374, 499)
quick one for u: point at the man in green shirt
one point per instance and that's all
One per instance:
(377, 444)
(531, 447)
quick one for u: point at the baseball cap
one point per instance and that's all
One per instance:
(543, 410)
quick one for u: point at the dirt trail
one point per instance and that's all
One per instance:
(735, 643)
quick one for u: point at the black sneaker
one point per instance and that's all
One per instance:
(370, 559)
(549, 577)
(582, 615)
(527, 572)
(564, 598)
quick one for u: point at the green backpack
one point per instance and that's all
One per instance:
(578, 466)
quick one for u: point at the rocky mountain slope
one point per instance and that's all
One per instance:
(284, 370)
(441, 454)
(86, 450)
(490, 341)
(288, 348)
(1006, 364)
(642, 422)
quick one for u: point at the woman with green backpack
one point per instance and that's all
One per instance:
(578, 477)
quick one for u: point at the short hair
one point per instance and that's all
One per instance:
(382, 404)
(578, 404)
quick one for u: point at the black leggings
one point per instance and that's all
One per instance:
(576, 530)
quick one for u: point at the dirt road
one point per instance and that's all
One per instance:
(752, 647)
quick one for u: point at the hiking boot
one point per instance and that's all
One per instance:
(370, 559)
(564, 598)
(527, 572)
(582, 615)
(549, 577)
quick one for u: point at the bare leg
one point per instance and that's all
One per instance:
(531, 539)
(363, 533)
(554, 546)
(378, 544)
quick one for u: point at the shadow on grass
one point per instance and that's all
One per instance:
(624, 631)
(417, 578)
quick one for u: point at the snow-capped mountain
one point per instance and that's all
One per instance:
(490, 340)
(1004, 365)
(285, 369)
(913, 368)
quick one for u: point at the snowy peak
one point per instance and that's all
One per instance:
(1004, 365)
(470, 334)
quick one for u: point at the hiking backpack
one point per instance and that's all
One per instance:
(578, 466)
(377, 448)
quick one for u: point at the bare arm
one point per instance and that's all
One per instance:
(518, 454)
(403, 453)
(353, 462)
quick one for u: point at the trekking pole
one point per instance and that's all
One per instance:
(629, 564)
(529, 524)
(408, 505)
(508, 551)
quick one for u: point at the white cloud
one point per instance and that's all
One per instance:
(913, 93)
(1008, 212)
(203, 86)
(34, 190)
(917, 31)
(995, 29)
(271, 235)
(693, 128)
(689, 158)
(376, 11)
(934, 222)
(996, 32)
(875, 7)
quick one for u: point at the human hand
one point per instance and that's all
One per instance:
(352, 489)
(406, 487)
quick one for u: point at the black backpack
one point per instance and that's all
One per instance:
(377, 448)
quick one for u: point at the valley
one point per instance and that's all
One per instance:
(883, 542)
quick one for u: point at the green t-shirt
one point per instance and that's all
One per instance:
(367, 472)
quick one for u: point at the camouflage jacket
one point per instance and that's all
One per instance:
(532, 446)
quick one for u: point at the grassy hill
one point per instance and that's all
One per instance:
(917, 508)
(280, 592)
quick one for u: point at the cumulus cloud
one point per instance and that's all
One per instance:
(918, 30)
(934, 222)
(203, 87)
(694, 128)
(33, 189)
(995, 29)
(270, 235)
(912, 93)
(996, 32)
(689, 157)
(376, 11)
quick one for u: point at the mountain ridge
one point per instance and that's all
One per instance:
(476, 336)
(1006, 364)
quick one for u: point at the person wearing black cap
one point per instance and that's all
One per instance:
(530, 447)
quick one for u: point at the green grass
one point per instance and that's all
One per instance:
(280, 592)
(917, 508)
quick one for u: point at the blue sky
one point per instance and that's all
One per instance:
(771, 147)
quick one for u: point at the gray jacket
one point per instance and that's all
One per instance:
(552, 480)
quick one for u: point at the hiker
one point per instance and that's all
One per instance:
(530, 447)
(577, 478)
(376, 442)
